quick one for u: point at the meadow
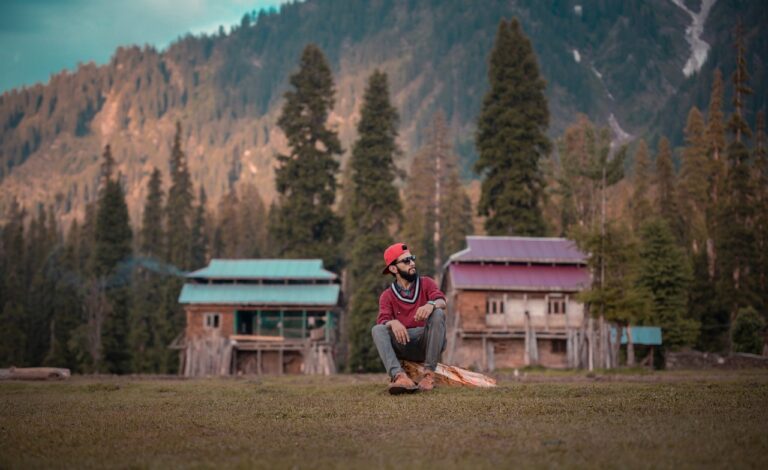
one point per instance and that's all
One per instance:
(652, 420)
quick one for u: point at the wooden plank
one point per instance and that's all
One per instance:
(257, 338)
(450, 375)
(36, 373)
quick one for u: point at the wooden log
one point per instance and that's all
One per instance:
(37, 373)
(450, 375)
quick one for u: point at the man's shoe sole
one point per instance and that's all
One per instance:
(401, 390)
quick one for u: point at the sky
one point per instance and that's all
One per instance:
(39, 38)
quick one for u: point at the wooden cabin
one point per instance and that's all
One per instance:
(260, 316)
(512, 302)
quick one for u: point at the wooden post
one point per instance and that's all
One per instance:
(527, 344)
(485, 353)
(303, 324)
(591, 345)
(630, 348)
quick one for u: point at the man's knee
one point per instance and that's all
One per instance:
(437, 316)
(380, 331)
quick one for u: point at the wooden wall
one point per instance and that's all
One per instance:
(471, 307)
(196, 321)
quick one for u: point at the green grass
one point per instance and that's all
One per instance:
(648, 421)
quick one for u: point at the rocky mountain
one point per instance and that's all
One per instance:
(635, 65)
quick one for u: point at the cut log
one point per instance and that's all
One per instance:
(450, 375)
(37, 373)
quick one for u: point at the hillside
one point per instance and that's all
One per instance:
(621, 63)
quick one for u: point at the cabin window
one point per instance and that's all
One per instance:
(494, 305)
(556, 305)
(212, 320)
(558, 346)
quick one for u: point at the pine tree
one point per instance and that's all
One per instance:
(226, 238)
(760, 183)
(113, 232)
(640, 206)
(419, 194)
(373, 207)
(179, 207)
(693, 188)
(252, 214)
(715, 135)
(615, 294)
(146, 316)
(40, 304)
(666, 183)
(200, 240)
(12, 315)
(456, 218)
(666, 275)
(305, 224)
(112, 246)
(152, 236)
(68, 305)
(511, 137)
(737, 285)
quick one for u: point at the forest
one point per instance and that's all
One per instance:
(676, 237)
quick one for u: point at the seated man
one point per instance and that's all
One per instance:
(411, 321)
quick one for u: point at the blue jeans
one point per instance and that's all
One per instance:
(426, 344)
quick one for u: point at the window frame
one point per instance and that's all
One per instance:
(212, 320)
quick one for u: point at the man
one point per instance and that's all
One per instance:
(411, 321)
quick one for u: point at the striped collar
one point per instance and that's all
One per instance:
(396, 291)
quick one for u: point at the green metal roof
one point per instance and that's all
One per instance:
(646, 335)
(258, 294)
(264, 269)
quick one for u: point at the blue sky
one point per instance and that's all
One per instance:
(41, 37)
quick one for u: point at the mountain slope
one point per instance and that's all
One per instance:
(619, 62)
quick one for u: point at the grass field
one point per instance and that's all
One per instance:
(663, 419)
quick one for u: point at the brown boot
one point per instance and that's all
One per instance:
(401, 383)
(427, 381)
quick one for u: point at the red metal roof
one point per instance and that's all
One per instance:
(520, 249)
(516, 277)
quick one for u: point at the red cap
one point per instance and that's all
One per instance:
(392, 253)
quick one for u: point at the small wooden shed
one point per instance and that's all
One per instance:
(260, 316)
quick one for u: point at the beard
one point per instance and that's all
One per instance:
(407, 275)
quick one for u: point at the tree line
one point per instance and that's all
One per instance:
(104, 296)
(684, 250)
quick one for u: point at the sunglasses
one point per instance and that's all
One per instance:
(407, 260)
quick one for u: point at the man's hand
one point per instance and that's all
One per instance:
(424, 312)
(399, 330)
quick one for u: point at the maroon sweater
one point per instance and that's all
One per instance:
(393, 306)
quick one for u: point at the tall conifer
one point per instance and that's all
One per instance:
(305, 224)
(179, 207)
(200, 241)
(112, 246)
(760, 178)
(715, 135)
(736, 237)
(12, 315)
(152, 235)
(511, 137)
(666, 275)
(693, 192)
(374, 206)
(666, 184)
(640, 206)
